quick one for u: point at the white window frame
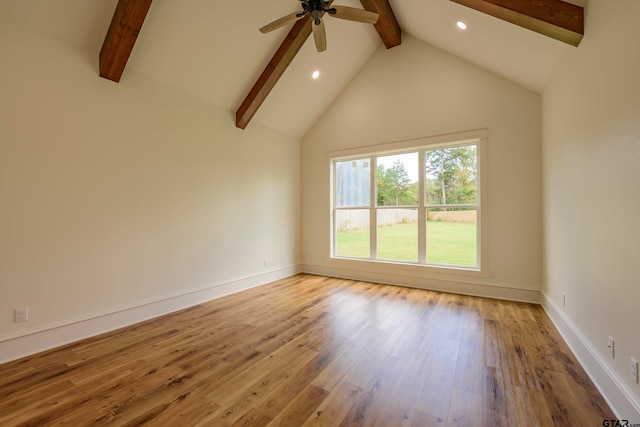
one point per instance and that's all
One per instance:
(477, 138)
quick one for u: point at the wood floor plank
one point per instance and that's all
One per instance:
(405, 396)
(334, 373)
(438, 388)
(249, 389)
(495, 411)
(464, 409)
(425, 419)
(276, 403)
(300, 408)
(469, 365)
(370, 406)
(335, 407)
(315, 351)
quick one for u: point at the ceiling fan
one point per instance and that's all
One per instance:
(317, 8)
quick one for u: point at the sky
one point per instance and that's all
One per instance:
(410, 161)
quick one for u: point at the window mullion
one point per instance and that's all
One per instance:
(334, 209)
(373, 215)
(422, 212)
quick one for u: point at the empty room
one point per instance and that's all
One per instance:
(306, 212)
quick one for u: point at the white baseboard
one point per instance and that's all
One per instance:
(620, 398)
(29, 342)
(453, 286)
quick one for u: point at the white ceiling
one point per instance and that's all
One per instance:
(213, 49)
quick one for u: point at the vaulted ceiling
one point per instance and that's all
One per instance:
(214, 50)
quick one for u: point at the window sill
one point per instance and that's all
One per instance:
(423, 270)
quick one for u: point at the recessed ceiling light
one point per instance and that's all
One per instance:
(461, 25)
(315, 74)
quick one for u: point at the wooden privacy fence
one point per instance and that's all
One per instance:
(353, 219)
(453, 216)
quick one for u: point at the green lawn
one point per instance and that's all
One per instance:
(448, 243)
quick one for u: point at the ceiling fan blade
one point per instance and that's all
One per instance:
(280, 22)
(319, 36)
(353, 14)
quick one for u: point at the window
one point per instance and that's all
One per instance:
(418, 206)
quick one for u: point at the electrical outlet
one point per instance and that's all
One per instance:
(21, 314)
(612, 347)
(634, 370)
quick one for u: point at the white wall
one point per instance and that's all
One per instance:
(413, 91)
(114, 196)
(591, 146)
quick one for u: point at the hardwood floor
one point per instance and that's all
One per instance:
(313, 351)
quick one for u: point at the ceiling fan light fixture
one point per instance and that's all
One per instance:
(316, 15)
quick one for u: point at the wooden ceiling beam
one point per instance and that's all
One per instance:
(275, 68)
(553, 18)
(121, 37)
(387, 25)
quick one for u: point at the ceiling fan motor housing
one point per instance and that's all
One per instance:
(316, 8)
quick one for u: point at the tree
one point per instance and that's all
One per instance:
(394, 186)
(451, 176)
